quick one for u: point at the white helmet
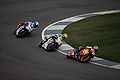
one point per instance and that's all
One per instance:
(35, 24)
(95, 47)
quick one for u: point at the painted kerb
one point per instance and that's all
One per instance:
(57, 27)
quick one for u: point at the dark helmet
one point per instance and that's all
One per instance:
(35, 24)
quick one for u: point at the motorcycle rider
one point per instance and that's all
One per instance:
(29, 26)
(62, 36)
(77, 52)
(93, 50)
(88, 50)
(56, 37)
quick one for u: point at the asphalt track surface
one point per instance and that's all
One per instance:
(22, 59)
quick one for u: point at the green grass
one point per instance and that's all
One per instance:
(103, 31)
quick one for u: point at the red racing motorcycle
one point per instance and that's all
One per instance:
(80, 57)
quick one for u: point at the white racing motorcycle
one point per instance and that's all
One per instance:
(22, 31)
(51, 44)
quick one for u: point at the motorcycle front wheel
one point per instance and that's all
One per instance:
(40, 44)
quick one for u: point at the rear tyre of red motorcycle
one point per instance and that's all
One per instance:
(85, 59)
(69, 57)
(14, 31)
(22, 33)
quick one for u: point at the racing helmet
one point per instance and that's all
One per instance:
(35, 24)
(80, 47)
(64, 36)
(95, 47)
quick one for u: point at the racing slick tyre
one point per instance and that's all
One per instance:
(69, 57)
(23, 33)
(50, 47)
(40, 44)
(85, 59)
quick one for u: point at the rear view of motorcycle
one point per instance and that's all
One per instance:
(50, 44)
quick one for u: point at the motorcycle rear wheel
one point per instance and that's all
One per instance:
(50, 47)
(69, 57)
(85, 59)
(23, 33)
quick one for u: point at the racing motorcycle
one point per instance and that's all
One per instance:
(82, 58)
(51, 44)
(21, 32)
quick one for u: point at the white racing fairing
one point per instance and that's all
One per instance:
(51, 43)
